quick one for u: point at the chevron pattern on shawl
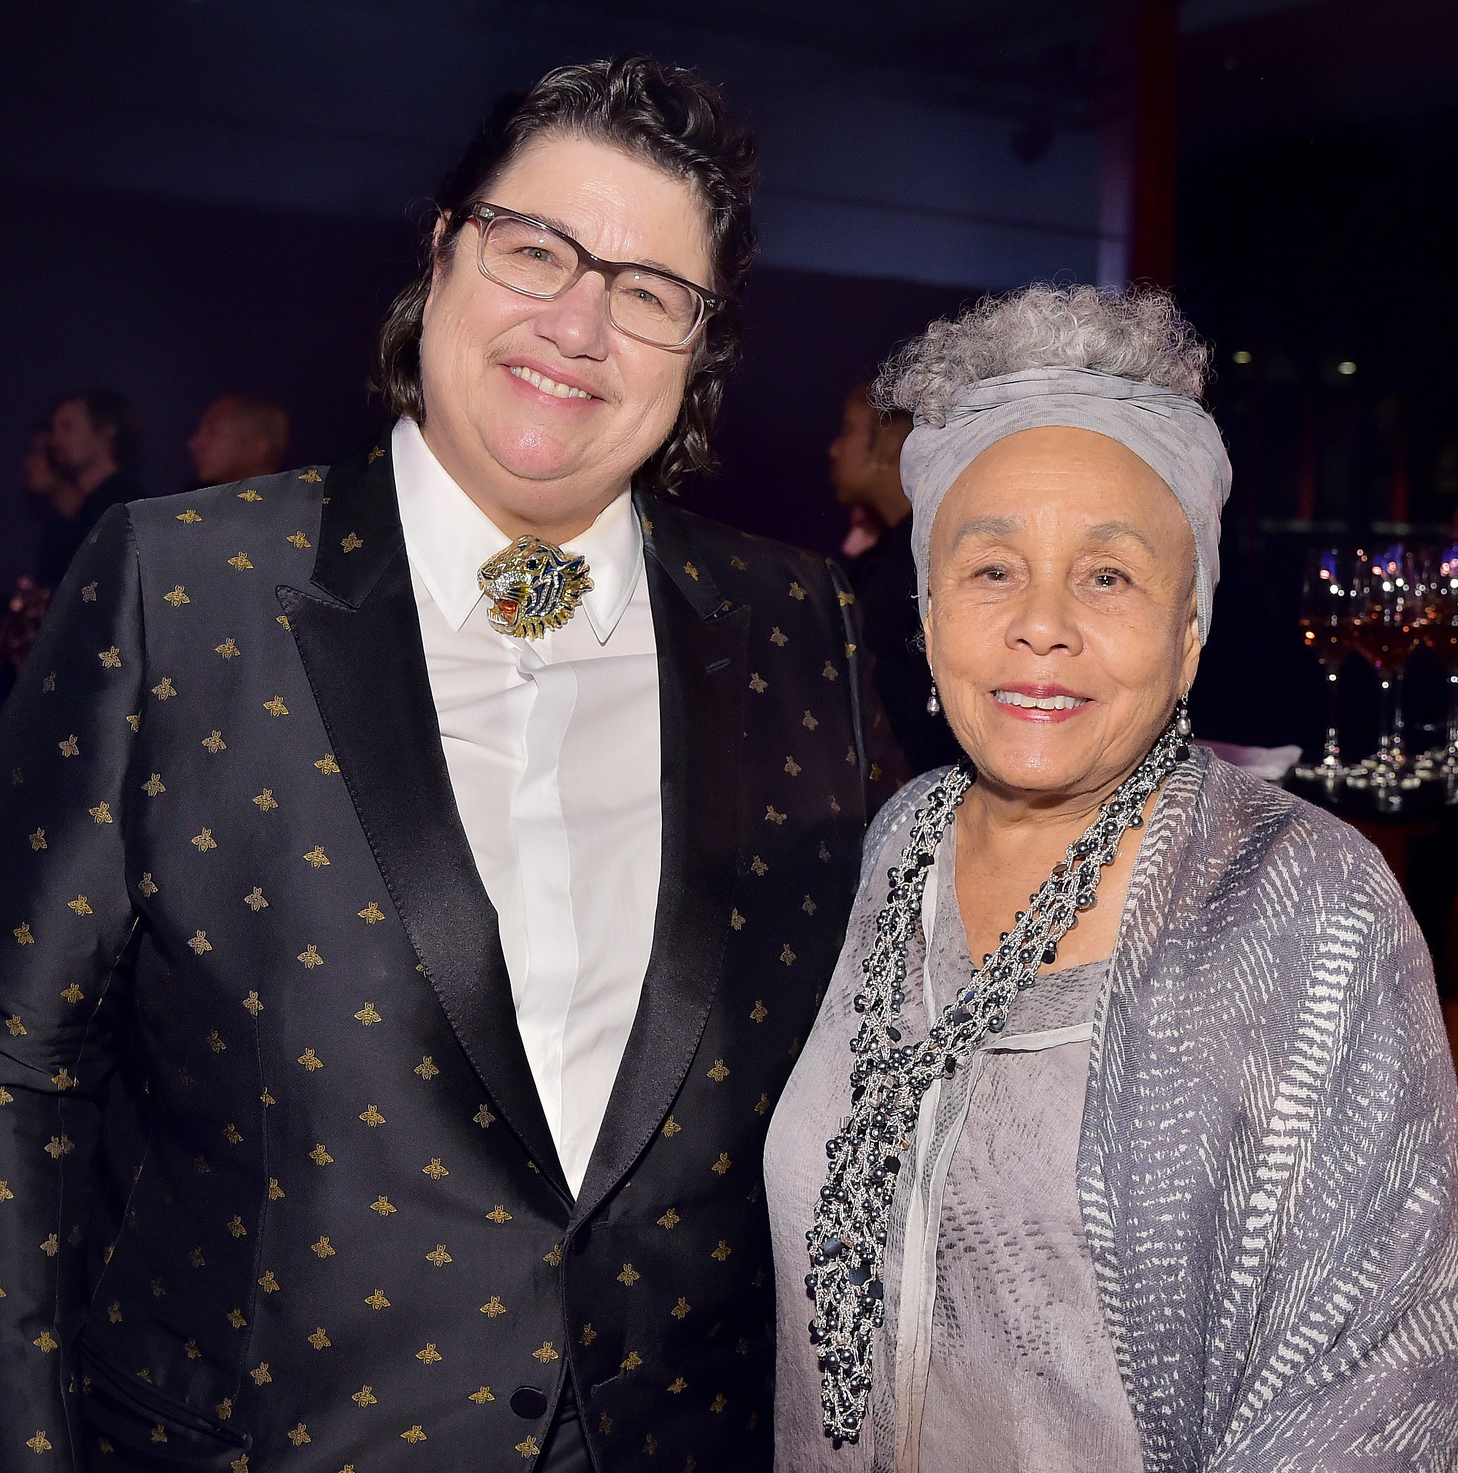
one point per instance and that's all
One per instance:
(1267, 1165)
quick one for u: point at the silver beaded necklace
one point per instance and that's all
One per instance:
(847, 1241)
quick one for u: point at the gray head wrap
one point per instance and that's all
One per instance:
(1169, 431)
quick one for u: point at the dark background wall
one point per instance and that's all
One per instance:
(1318, 264)
(175, 302)
(199, 196)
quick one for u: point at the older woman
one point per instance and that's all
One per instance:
(1126, 1135)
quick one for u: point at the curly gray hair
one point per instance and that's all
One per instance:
(1138, 334)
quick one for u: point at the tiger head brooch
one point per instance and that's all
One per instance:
(533, 587)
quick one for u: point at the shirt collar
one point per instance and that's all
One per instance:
(448, 537)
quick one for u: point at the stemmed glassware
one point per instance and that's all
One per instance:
(1328, 612)
(1387, 629)
(1440, 634)
(1383, 607)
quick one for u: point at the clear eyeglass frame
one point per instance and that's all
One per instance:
(486, 215)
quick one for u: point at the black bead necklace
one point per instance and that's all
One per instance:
(847, 1242)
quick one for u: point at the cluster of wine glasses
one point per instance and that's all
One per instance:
(1384, 606)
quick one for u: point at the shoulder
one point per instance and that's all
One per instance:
(738, 559)
(238, 507)
(1307, 862)
(1276, 821)
(232, 544)
(887, 828)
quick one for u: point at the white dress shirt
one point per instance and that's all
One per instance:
(553, 751)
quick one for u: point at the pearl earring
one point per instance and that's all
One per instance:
(933, 701)
(1182, 728)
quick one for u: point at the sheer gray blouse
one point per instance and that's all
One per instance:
(999, 1361)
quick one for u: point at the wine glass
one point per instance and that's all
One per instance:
(1386, 630)
(1328, 609)
(1440, 634)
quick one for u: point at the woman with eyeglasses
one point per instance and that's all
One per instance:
(461, 838)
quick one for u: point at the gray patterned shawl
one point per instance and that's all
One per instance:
(1268, 1166)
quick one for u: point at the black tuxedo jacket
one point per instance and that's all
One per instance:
(276, 1189)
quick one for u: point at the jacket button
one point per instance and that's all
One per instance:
(528, 1402)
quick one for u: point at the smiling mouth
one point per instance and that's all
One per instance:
(1038, 703)
(548, 385)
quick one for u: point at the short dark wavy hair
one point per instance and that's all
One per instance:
(108, 410)
(666, 116)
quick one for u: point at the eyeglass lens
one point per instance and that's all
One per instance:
(540, 262)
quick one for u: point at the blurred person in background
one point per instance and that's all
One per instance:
(865, 472)
(45, 488)
(43, 483)
(237, 437)
(94, 445)
(865, 532)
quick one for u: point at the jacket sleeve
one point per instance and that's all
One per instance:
(883, 767)
(67, 735)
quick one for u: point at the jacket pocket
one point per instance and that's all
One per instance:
(145, 1421)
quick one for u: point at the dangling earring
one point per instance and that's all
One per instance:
(933, 701)
(1182, 726)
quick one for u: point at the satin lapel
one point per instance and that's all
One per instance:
(702, 672)
(358, 635)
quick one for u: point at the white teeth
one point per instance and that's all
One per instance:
(1038, 703)
(549, 385)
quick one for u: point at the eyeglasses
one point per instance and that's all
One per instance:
(533, 258)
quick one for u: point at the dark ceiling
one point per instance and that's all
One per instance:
(1248, 67)
(1318, 66)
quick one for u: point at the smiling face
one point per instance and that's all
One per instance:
(541, 411)
(1062, 618)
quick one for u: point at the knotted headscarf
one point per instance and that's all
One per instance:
(1170, 432)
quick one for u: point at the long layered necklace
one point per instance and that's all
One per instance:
(847, 1242)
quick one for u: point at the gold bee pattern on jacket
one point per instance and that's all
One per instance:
(325, 1228)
